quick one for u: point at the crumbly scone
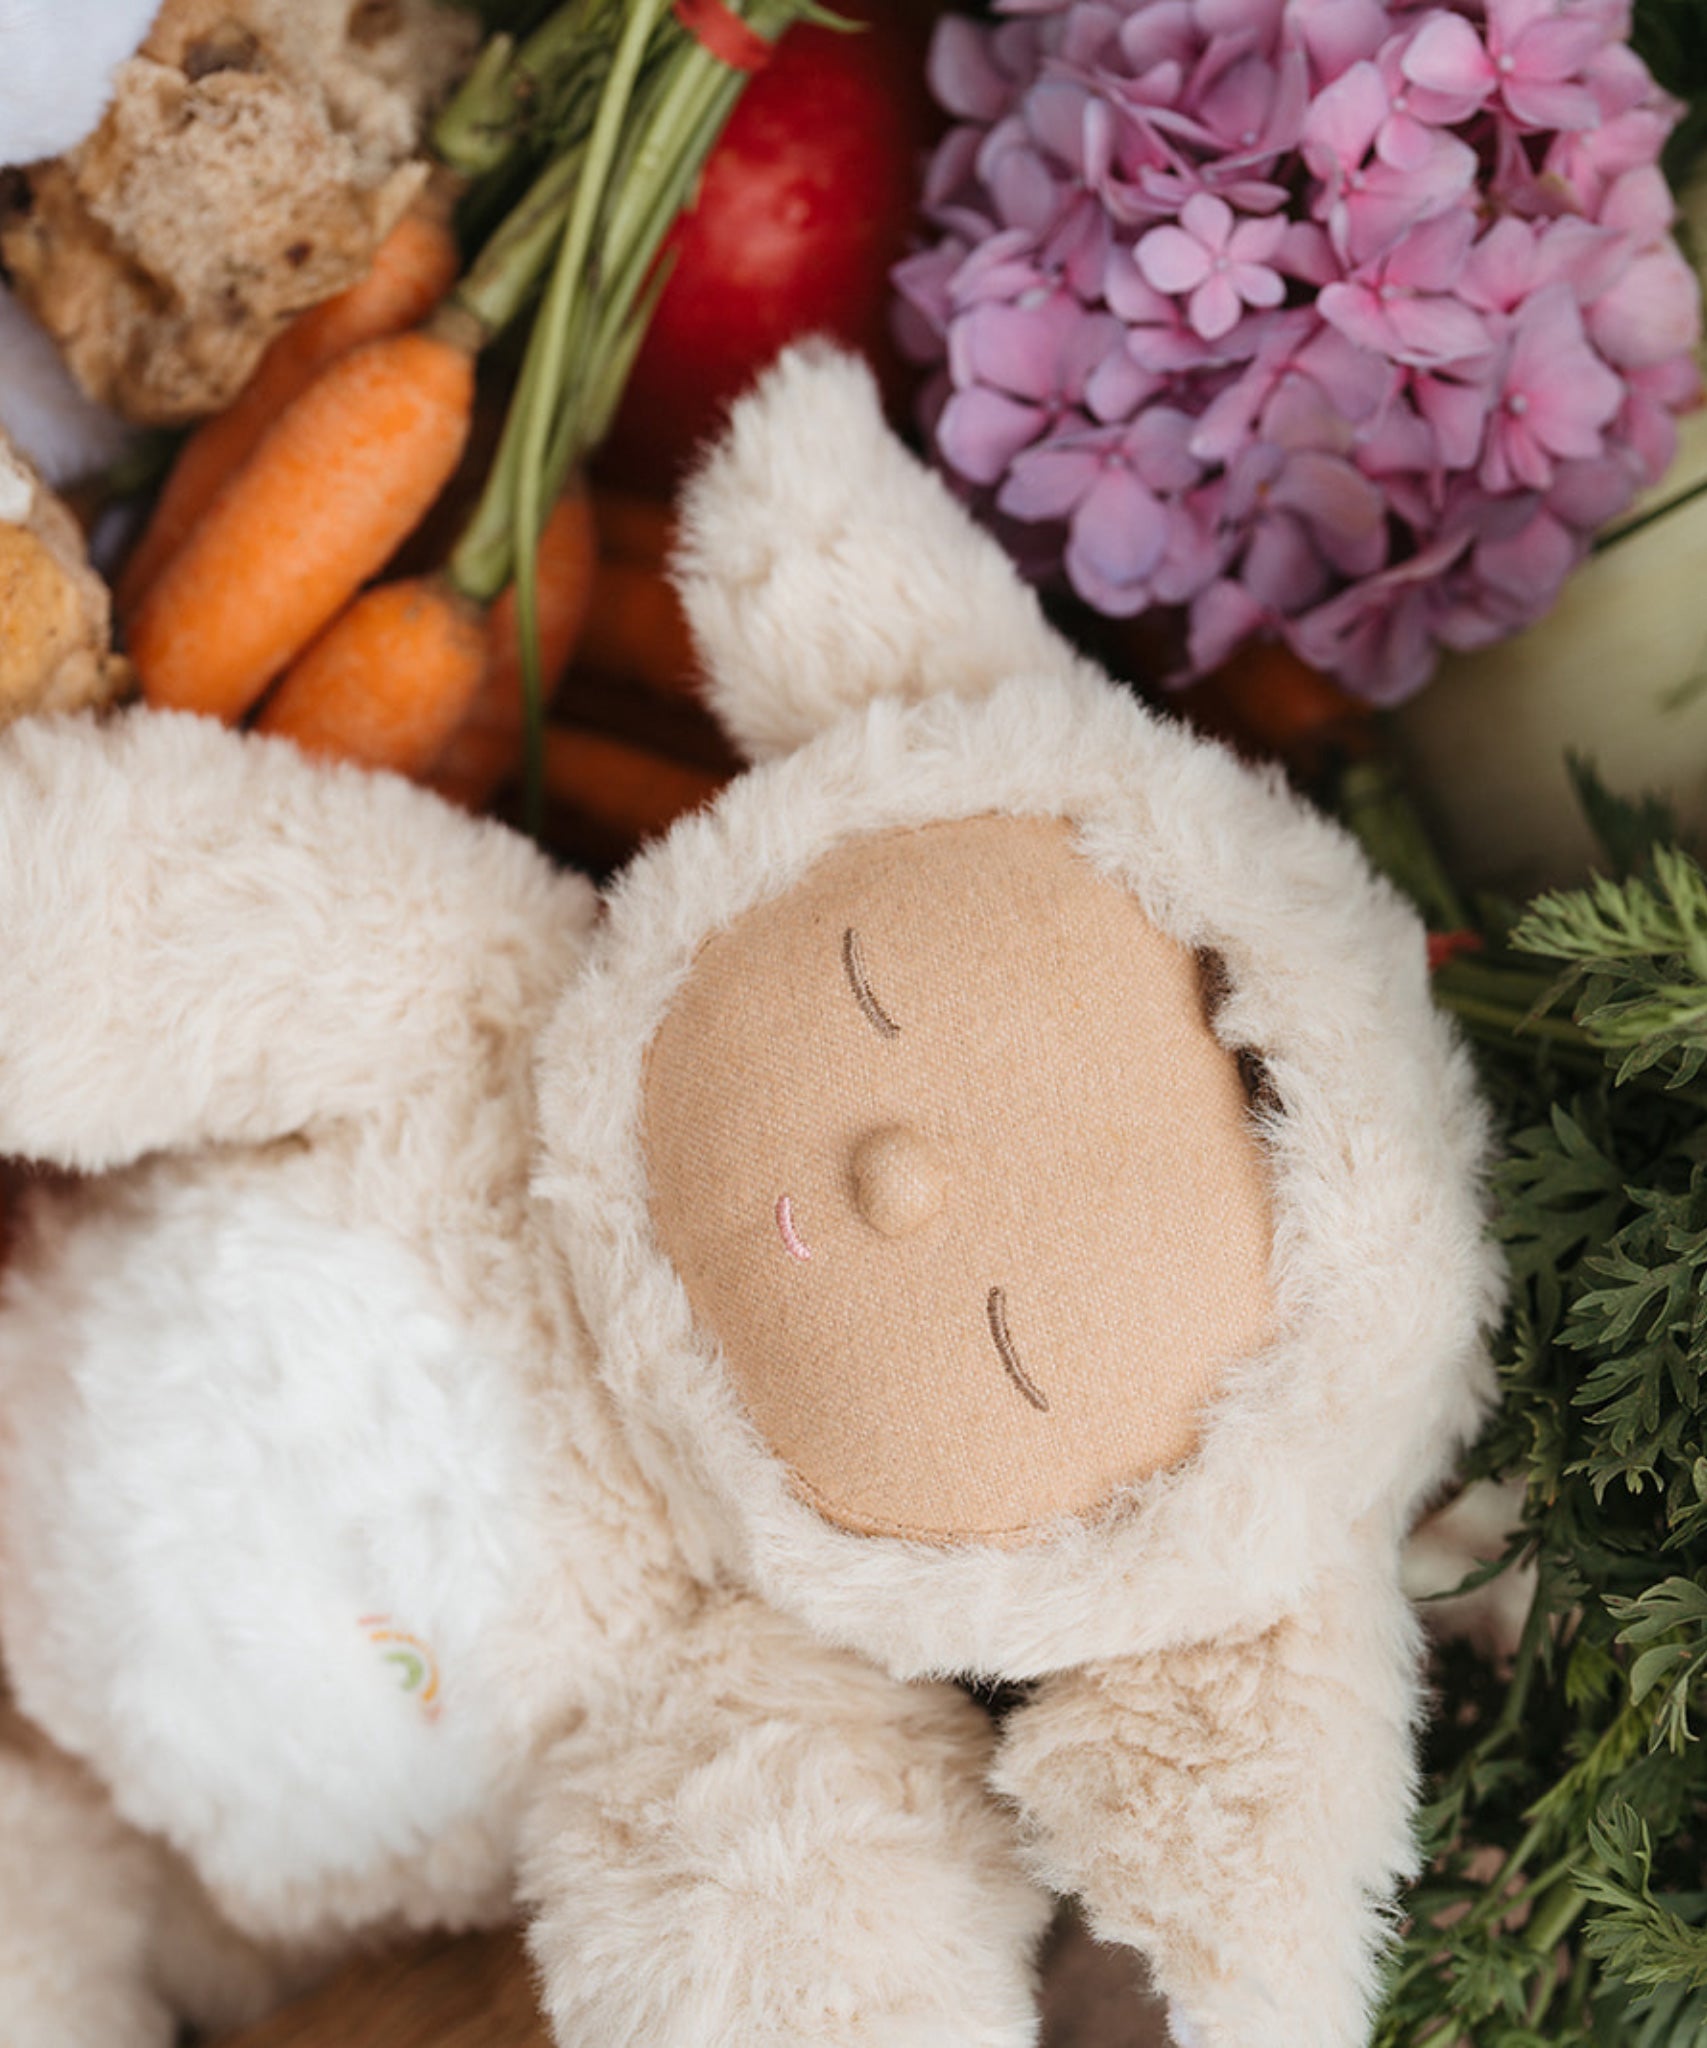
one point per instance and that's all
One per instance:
(255, 154)
(55, 612)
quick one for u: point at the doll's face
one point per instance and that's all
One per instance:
(954, 1170)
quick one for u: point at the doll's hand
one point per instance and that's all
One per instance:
(760, 1842)
(1238, 1811)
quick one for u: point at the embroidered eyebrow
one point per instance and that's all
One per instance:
(853, 965)
(996, 1310)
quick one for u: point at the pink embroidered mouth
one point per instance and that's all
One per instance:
(790, 1236)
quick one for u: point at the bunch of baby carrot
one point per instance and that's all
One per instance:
(282, 508)
(253, 591)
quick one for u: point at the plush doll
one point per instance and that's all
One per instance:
(537, 1400)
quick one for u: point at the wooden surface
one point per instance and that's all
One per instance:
(477, 1993)
(473, 1993)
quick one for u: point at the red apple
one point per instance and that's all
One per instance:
(806, 202)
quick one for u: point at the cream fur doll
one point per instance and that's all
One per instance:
(539, 1399)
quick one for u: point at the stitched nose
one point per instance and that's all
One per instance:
(900, 1181)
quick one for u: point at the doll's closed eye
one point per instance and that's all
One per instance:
(996, 1314)
(853, 965)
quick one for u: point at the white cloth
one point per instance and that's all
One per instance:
(57, 59)
(42, 409)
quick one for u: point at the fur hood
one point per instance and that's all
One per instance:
(965, 705)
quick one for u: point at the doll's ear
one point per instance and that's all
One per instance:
(822, 566)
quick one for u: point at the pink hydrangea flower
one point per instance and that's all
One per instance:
(1555, 396)
(1528, 59)
(1339, 320)
(1221, 262)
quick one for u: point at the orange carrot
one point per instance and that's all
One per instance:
(388, 681)
(622, 789)
(1268, 704)
(342, 477)
(635, 627)
(486, 749)
(412, 270)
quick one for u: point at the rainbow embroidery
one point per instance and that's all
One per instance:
(417, 1667)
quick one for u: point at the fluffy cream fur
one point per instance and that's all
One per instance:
(366, 1338)
(774, 1779)
(76, 1890)
(822, 566)
(1237, 1810)
(1317, 1452)
(303, 1374)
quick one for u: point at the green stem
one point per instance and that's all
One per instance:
(488, 119)
(550, 341)
(598, 218)
(1642, 520)
(470, 135)
(499, 282)
(1509, 1022)
(1556, 1909)
(1577, 1997)
(1517, 1692)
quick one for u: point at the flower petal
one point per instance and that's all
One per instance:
(1550, 50)
(1531, 566)
(1221, 617)
(1329, 493)
(1207, 220)
(1118, 386)
(1538, 103)
(1458, 414)
(1256, 284)
(1018, 348)
(1336, 33)
(1159, 445)
(1281, 569)
(1343, 117)
(1048, 482)
(1652, 313)
(1215, 306)
(1119, 528)
(980, 432)
(963, 75)
(1437, 330)
(1446, 55)
(1171, 260)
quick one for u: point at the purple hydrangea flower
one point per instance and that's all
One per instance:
(1346, 321)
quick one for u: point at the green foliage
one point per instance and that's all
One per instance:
(1627, 828)
(1638, 952)
(1643, 1940)
(1566, 1824)
(1672, 36)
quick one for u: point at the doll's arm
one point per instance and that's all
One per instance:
(206, 938)
(1239, 1812)
(821, 566)
(757, 1842)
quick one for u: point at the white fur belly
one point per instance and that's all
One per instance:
(262, 1512)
